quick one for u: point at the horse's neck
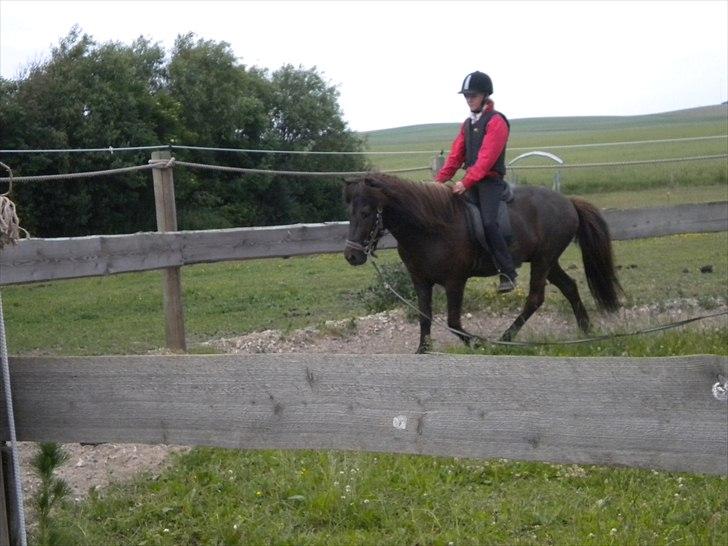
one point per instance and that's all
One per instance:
(402, 225)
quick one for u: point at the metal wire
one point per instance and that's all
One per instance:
(623, 163)
(111, 149)
(537, 343)
(298, 152)
(291, 173)
(11, 429)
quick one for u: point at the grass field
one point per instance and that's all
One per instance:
(230, 497)
(548, 133)
(122, 314)
(222, 497)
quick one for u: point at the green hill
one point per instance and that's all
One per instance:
(702, 121)
(563, 135)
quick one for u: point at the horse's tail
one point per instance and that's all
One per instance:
(596, 249)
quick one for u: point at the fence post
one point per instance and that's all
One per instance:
(4, 508)
(438, 162)
(167, 221)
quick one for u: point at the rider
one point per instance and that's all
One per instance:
(481, 146)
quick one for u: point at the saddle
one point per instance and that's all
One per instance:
(475, 224)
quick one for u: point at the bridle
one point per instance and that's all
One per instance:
(369, 245)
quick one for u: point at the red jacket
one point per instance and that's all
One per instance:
(494, 142)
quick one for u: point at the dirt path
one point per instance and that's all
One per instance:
(95, 466)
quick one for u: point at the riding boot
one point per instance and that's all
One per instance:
(488, 192)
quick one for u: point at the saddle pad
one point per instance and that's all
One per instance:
(475, 224)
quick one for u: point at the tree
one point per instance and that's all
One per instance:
(306, 117)
(90, 95)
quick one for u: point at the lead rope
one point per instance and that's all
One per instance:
(9, 234)
(538, 343)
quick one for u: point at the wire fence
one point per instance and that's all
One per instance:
(332, 174)
(112, 149)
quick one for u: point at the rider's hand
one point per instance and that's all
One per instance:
(458, 188)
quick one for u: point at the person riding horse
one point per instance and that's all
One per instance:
(481, 146)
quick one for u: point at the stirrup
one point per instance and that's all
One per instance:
(506, 284)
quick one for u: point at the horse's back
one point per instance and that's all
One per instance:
(539, 214)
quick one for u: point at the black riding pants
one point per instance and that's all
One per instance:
(488, 194)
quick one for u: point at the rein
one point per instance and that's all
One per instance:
(369, 245)
(537, 343)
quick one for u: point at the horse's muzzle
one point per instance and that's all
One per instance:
(355, 257)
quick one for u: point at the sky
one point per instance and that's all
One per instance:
(401, 63)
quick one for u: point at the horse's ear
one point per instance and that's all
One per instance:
(373, 182)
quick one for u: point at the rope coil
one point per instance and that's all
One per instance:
(9, 224)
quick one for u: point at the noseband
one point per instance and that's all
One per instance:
(369, 245)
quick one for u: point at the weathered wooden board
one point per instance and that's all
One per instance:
(36, 260)
(642, 412)
(661, 221)
(50, 259)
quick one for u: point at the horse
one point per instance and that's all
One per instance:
(430, 226)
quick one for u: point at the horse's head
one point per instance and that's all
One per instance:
(364, 203)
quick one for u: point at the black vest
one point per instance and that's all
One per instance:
(474, 135)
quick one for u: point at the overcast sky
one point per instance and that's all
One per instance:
(402, 63)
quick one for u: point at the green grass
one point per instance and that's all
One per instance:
(227, 497)
(545, 133)
(658, 197)
(231, 497)
(123, 314)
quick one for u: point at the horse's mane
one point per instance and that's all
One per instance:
(429, 205)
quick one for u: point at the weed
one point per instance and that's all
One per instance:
(51, 493)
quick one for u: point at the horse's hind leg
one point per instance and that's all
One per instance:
(534, 300)
(424, 300)
(558, 277)
(454, 291)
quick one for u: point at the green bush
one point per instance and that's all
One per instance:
(378, 297)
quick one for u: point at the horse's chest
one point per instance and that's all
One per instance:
(439, 260)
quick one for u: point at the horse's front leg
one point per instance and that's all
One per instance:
(534, 300)
(454, 291)
(424, 300)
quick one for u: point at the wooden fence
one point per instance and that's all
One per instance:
(36, 260)
(659, 413)
(649, 412)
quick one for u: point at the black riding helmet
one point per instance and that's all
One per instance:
(477, 82)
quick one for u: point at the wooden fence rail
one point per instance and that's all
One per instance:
(642, 412)
(36, 260)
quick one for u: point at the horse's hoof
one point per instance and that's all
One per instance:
(507, 337)
(421, 350)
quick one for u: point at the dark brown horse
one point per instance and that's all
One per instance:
(430, 226)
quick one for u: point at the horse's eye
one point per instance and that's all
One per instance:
(364, 213)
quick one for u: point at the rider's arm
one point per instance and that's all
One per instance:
(454, 160)
(494, 142)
